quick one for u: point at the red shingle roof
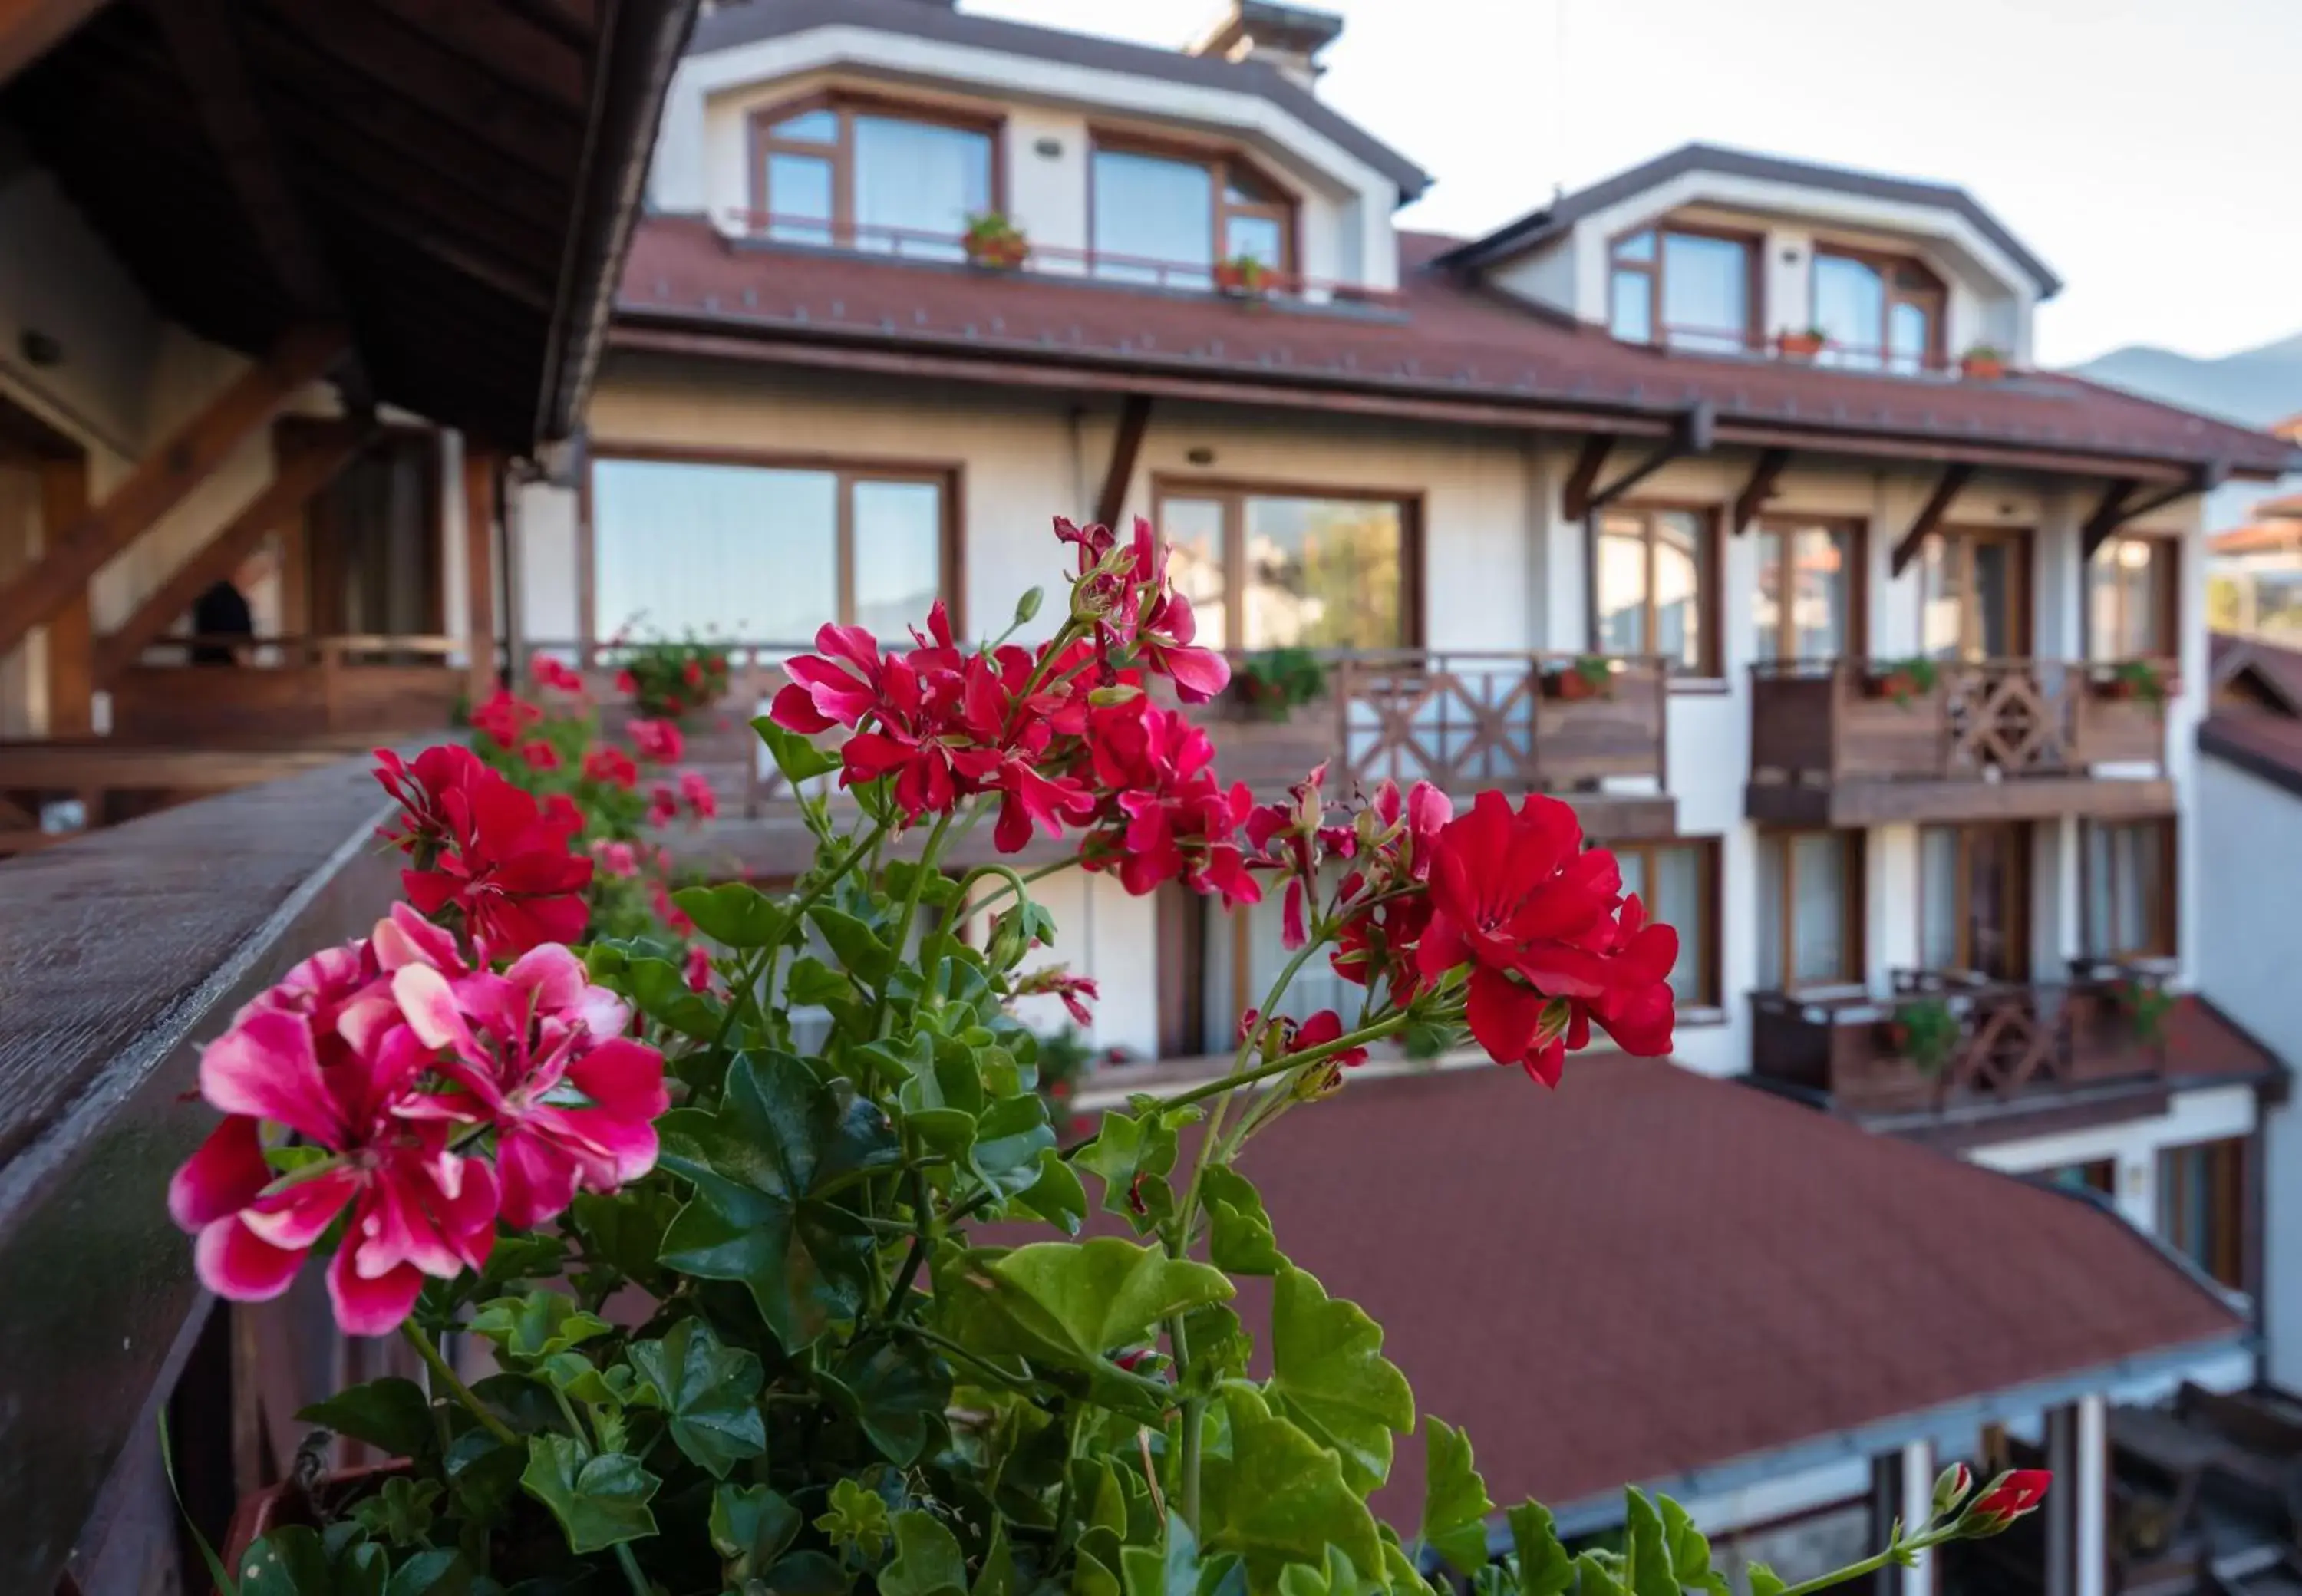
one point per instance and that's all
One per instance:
(1649, 1272)
(1452, 342)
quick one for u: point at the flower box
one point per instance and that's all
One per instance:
(1801, 346)
(1977, 367)
(998, 252)
(1572, 686)
(1244, 279)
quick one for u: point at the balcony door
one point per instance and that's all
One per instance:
(1974, 589)
(1974, 899)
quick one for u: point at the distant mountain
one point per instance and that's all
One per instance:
(2253, 386)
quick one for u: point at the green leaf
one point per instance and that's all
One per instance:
(860, 948)
(1650, 1573)
(710, 1395)
(997, 1577)
(736, 915)
(856, 1519)
(1596, 1575)
(927, 1560)
(1057, 1195)
(1689, 1550)
(400, 1513)
(937, 889)
(1454, 1501)
(898, 1391)
(1545, 1568)
(392, 1414)
(1070, 1302)
(658, 989)
(1279, 1496)
(288, 1562)
(750, 1528)
(600, 1501)
(804, 1574)
(1010, 1137)
(813, 983)
(761, 1165)
(624, 1232)
(536, 1326)
(1240, 1239)
(441, 1571)
(1169, 1569)
(1134, 1155)
(798, 759)
(1764, 1581)
(1330, 1376)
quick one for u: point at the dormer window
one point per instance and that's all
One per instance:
(1166, 218)
(864, 176)
(1683, 289)
(1882, 313)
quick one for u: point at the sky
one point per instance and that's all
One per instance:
(2142, 147)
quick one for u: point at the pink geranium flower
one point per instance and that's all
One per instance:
(496, 857)
(658, 741)
(702, 802)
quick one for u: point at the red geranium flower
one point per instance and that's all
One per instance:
(422, 790)
(540, 755)
(1161, 813)
(658, 741)
(1076, 991)
(698, 969)
(663, 807)
(702, 800)
(2003, 1501)
(506, 717)
(617, 858)
(502, 861)
(611, 766)
(552, 672)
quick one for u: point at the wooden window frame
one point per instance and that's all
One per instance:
(1857, 532)
(1232, 494)
(1965, 540)
(2228, 1178)
(846, 105)
(1219, 159)
(1707, 849)
(2019, 936)
(1934, 300)
(2164, 928)
(949, 477)
(1659, 331)
(2166, 560)
(1708, 609)
(1853, 906)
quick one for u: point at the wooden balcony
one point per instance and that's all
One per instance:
(1832, 744)
(2019, 1046)
(287, 691)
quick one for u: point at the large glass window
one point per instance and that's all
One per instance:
(761, 553)
(1809, 922)
(2131, 599)
(1167, 219)
(1653, 584)
(868, 179)
(1678, 881)
(2201, 1207)
(1690, 290)
(1880, 314)
(1807, 587)
(1316, 573)
(1974, 595)
(2130, 888)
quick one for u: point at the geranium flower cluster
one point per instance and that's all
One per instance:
(404, 1098)
(486, 852)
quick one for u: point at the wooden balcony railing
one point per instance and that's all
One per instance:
(287, 689)
(1839, 720)
(2012, 1041)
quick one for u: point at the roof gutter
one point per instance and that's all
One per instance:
(1949, 1421)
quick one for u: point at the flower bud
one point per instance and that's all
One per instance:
(1951, 1487)
(2003, 1501)
(1028, 605)
(1117, 692)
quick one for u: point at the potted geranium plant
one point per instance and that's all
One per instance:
(668, 679)
(2147, 1006)
(1273, 683)
(993, 241)
(1586, 677)
(1242, 276)
(1802, 344)
(1902, 680)
(2138, 679)
(1984, 363)
(749, 1334)
(1925, 1032)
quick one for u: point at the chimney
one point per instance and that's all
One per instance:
(1289, 36)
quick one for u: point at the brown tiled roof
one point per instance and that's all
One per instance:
(2204, 1042)
(1648, 1271)
(2260, 737)
(2283, 504)
(2257, 536)
(1450, 344)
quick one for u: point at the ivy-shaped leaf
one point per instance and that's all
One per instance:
(800, 760)
(400, 1513)
(1648, 1566)
(856, 1520)
(536, 1326)
(624, 1232)
(1455, 1502)
(438, 1572)
(598, 1501)
(1171, 1568)
(1240, 1239)
(295, 1562)
(709, 1394)
(1069, 1303)
(735, 915)
(860, 948)
(1596, 1574)
(658, 989)
(391, 1415)
(761, 1165)
(1135, 1154)
(750, 1528)
(1545, 1568)
(1330, 1376)
(1765, 1581)
(1278, 1497)
(927, 1561)
(899, 1391)
(1690, 1551)
(1057, 1195)
(813, 983)
(1011, 1135)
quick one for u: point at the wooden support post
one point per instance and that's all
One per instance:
(28, 28)
(1764, 474)
(72, 663)
(322, 453)
(1947, 487)
(1126, 445)
(1577, 500)
(482, 470)
(163, 479)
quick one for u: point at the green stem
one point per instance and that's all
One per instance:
(923, 1215)
(1390, 1025)
(449, 1378)
(960, 1354)
(631, 1566)
(1871, 1565)
(1014, 883)
(903, 920)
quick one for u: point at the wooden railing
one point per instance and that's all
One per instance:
(118, 957)
(2012, 1039)
(1852, 720)
(284, 689)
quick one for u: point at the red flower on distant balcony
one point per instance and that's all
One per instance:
(1550, 941)
(695, 790)
(616, 858)
(540, 755)
(611, 766)
(2003, 1501)
(659, 742)
(555, 675)
(506, 717)
(663, 806)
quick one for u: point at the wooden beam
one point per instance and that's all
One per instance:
(1577, 500)
(71, 666)
(163, 479)
(320, 455)
(2108, 515)
(2118, 505)
(1765, 472)
(482, 469)
(1691, 435)
(1947, 487)
(1126, 444)
(28, 28)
